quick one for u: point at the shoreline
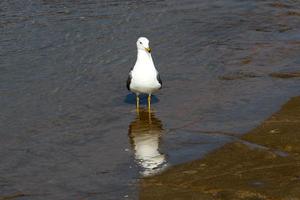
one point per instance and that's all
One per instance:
(263, 164)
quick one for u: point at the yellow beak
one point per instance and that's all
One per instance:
(148, 49)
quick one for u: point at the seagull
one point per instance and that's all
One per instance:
(143, 77)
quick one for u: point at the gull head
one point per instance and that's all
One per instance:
(143, 44)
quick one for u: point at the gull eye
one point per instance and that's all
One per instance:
(140, 42)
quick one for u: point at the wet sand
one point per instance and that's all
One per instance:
(286, 75)
(262, 164)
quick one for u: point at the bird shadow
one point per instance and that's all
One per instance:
(131, 99)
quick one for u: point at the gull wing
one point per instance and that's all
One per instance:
(129, 79)
(159, 80)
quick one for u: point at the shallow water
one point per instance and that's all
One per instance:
(65, 111)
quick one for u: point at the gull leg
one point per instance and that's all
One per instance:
(149, 102)
(149, 116)
(137, 103)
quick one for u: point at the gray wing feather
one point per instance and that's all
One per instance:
(129, 80)
(159, 80)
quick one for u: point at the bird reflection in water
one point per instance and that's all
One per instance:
(145, 133)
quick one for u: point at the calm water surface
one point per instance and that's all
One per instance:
(68, 125)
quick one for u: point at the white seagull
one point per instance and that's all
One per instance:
(143, 77)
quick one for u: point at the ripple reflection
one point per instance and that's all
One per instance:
(145, 134)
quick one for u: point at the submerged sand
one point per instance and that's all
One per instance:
(262, 164)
